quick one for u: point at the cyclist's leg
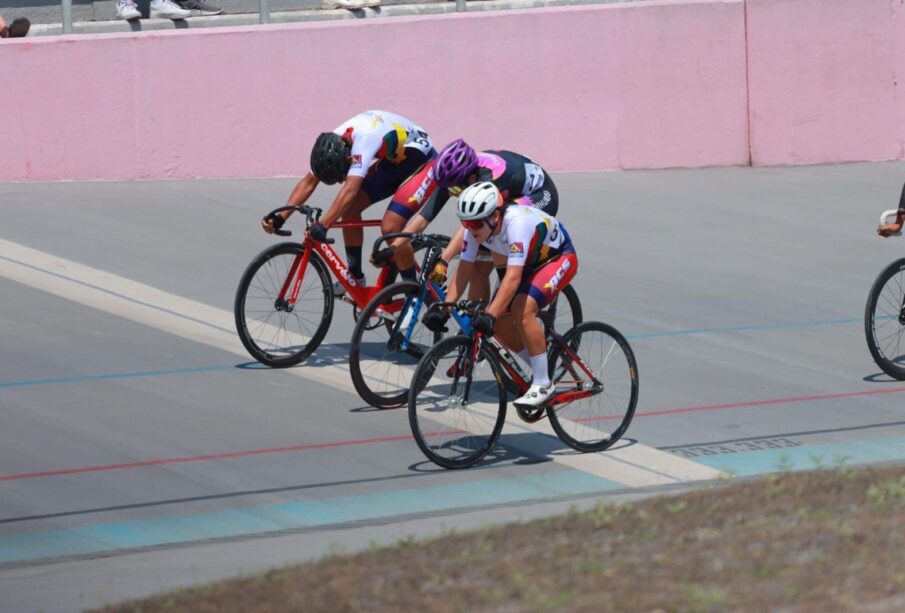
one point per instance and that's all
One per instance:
(534, 294)
(479, 288)
(354, 237)
(410, 196)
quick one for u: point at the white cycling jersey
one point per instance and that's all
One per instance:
(378, 135)
(528, 237)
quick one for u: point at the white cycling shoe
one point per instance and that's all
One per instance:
(536, 395)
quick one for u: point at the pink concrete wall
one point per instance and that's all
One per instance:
(639, 85)
(824, 80)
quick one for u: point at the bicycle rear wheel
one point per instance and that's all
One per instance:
(456, 407)
(595, 422)
(884, 320)
(275, 333)
(381, 370)
(566, 309)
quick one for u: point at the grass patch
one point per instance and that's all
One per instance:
(832, 539)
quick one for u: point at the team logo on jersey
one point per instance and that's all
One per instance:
(424, 188)
(517, 248)
(553, 283)
(464, 246)
(356, 160)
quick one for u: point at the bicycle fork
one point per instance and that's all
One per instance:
(296, 272)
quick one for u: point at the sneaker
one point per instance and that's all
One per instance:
(199, 8)
(536, 396)
(339, 291)
(167, 9)
(126, 9)
(19, 27)
(343, 4)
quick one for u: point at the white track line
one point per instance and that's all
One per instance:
(635, 465)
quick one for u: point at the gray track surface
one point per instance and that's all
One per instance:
(662, 254)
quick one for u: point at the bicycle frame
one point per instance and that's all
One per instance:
(514, 371)
(415, 303)
(358, 294)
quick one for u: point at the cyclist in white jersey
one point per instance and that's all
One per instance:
(540, 262)
(376, 154)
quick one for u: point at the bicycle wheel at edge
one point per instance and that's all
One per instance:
(275, 337)
(882, 328)
(580, 424)
(382, 376)
(450, 434)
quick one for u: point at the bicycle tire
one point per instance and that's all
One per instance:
(882, 337)
(563, 320)
(431, 407)
(571, 416)
(382, 375)
(254, 330)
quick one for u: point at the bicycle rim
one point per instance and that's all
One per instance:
(883, 320)
(381, 369)
(280, 335)
(456, 407)
(595, 422)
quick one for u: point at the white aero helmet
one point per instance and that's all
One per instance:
(478, 201)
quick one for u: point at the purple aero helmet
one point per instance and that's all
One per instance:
(455, 163)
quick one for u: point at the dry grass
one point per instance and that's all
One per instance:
(830, 540)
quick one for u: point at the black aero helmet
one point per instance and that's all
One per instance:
(330, 158)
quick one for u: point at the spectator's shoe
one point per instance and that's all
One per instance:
(167, 9)
(344, 4)
(199, 8)
(535, 396)
(19, 27)
(126, 9)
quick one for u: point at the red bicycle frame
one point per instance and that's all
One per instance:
(359, 294)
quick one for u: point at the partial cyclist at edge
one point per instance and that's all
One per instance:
(375, 155)
(519, 180)
(540, 262)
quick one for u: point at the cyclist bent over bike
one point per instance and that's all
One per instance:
(540, 262)
(375, 154)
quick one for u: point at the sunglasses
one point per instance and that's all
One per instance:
(474, 224)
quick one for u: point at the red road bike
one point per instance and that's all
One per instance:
(284, 302)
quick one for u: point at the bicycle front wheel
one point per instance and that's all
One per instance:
(598, 360)
(274, 332)
(884, 320)
(457, 405)
(381, 368)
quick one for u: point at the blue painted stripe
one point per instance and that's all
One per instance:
(122, 375)
(752, 328)
(808, 457)
(295, 515)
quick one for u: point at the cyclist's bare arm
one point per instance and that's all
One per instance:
(459, 281)
(891, 228)
(508, 288)
(343, 200)
(455, 245)
(416, 224)
(298, 197)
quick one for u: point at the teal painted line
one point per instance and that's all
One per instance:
(808, 457)
(110, 537)
(753, 328)
(110, 376)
